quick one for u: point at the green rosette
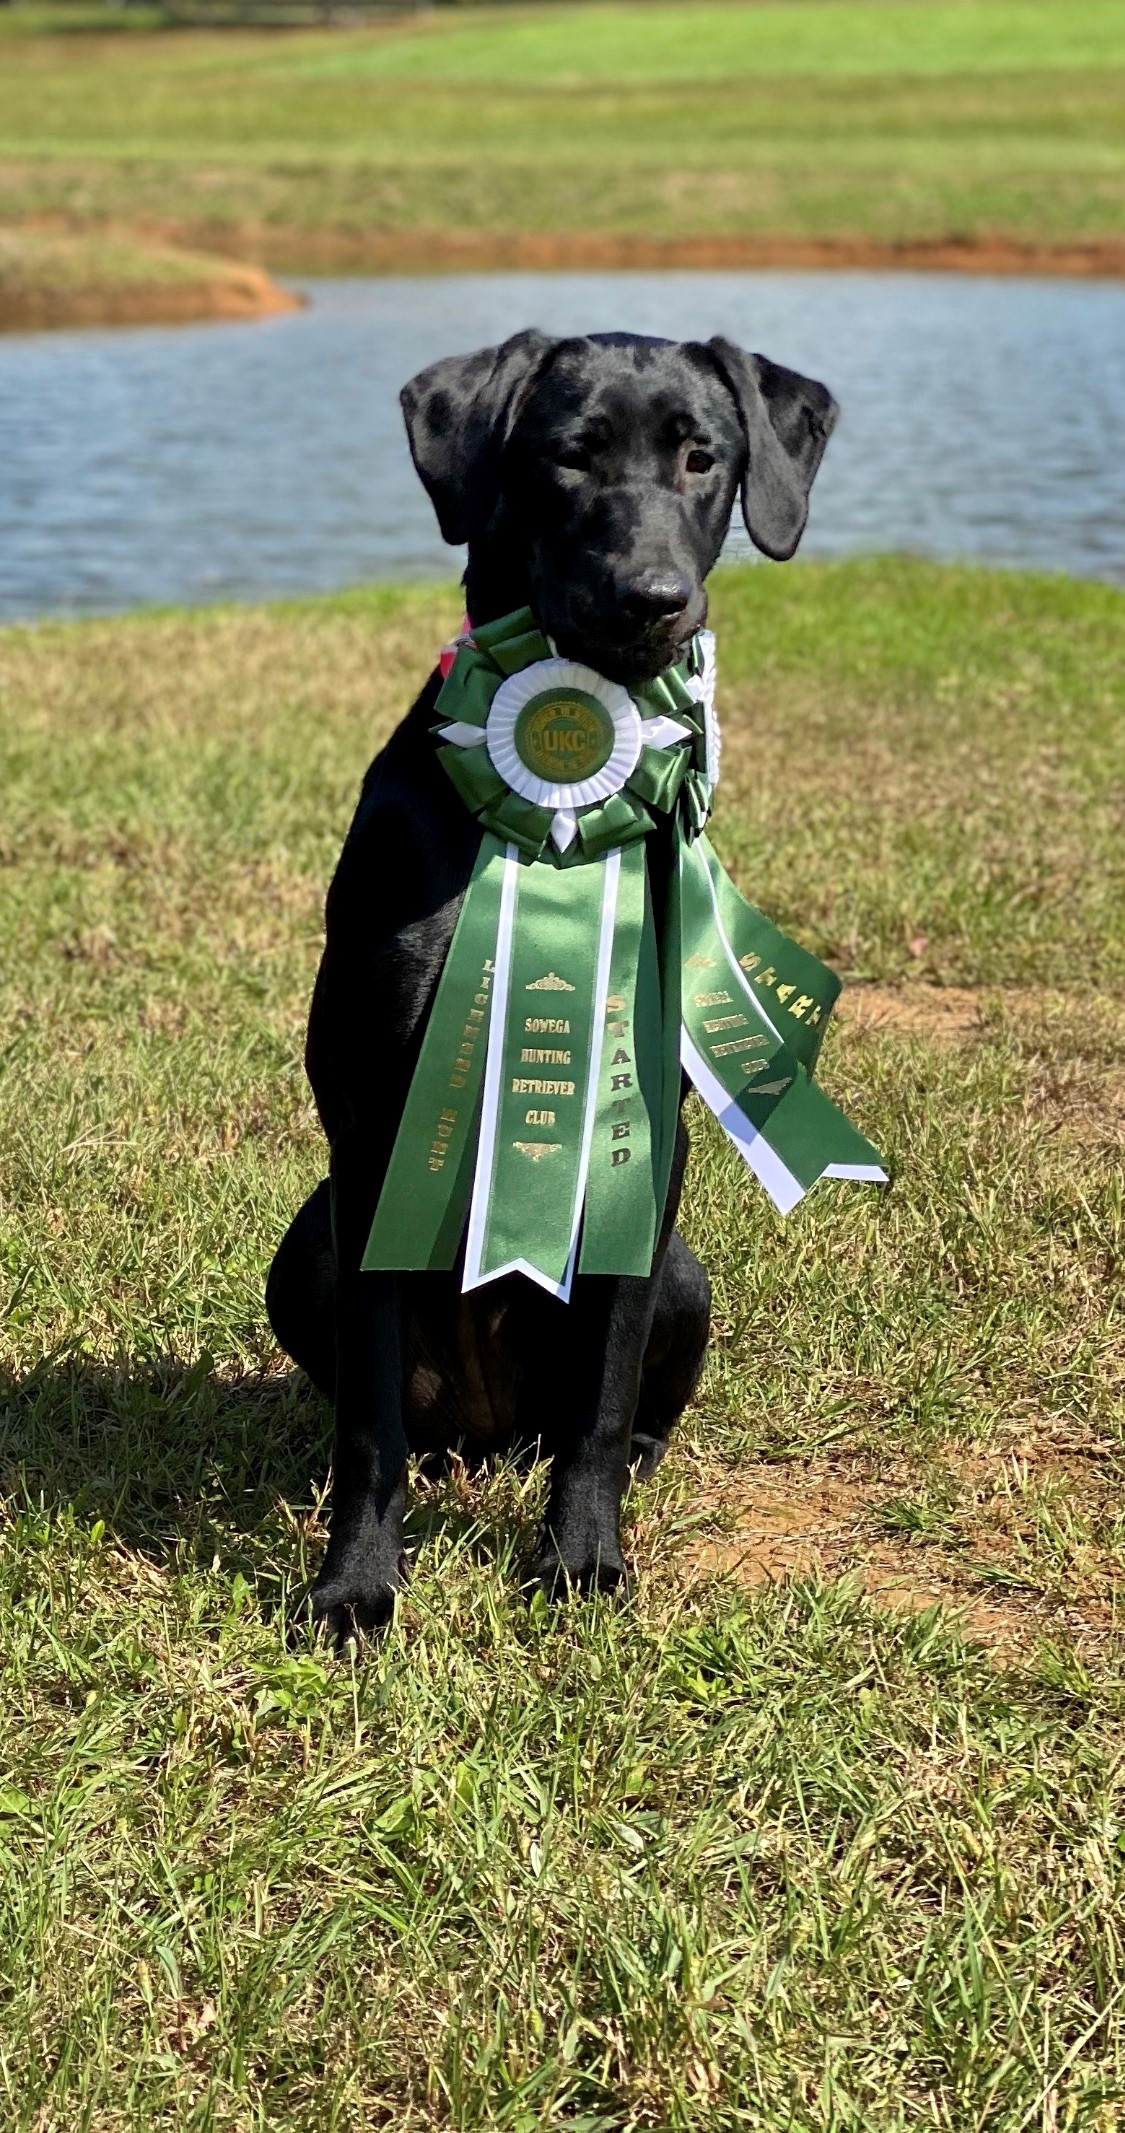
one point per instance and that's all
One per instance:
(539, 1128)
(492, 656)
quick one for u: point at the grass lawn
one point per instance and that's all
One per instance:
(885, 122)
(823, 1827)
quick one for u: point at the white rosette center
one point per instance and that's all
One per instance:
(563, 796)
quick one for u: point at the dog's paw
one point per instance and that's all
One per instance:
(557, 1572)
(346, 1606)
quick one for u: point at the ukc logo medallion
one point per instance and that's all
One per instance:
(564, 737)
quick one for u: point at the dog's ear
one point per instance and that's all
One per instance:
(458, 416)
(787, 421)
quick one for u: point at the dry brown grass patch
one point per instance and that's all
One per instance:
(986, 1559)
(1076, 1044)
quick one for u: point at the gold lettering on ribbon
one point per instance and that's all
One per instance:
(473, 1027)
(546, 1026)
(620, 1128)
(447, 1119)
(713, 999)
(542, 1055)
(526, 1087)
(737, 1044)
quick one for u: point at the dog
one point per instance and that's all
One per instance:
(593, 479)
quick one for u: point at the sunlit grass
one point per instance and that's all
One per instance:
(830, 118)
(716, 1857)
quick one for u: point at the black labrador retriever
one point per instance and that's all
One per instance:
(593, 479)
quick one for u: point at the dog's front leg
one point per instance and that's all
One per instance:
(364, 1565)
(590, 1388)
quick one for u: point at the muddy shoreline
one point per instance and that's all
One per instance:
(235, 280)
(291, 250)
(253, 296)
(260, 249)
(59, 278)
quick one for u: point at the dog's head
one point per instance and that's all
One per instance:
(594, 479)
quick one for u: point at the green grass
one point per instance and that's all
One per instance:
(726, 1855)
(882, 119)
(774, 38)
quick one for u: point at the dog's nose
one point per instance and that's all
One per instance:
(655, 596)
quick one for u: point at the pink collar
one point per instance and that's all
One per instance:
(449, 651)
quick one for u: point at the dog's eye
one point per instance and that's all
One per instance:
(698, 461)
(574, 457)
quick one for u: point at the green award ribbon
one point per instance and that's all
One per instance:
(541, 1119)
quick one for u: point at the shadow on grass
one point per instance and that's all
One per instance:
(161, 1451)
(192, 1467)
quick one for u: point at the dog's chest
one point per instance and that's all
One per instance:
(462, 1376)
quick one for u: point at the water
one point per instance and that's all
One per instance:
(982, 418)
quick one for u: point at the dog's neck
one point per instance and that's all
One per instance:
(496, 578)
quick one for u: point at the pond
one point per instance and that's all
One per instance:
(982, 418)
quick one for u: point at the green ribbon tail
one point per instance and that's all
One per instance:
(671, 954)
(626, 1185)
(421, 1211)
(553, 954)
(796, 988)
(754, 1005)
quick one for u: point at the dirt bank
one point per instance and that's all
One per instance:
(67, 279)
(294, 250)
